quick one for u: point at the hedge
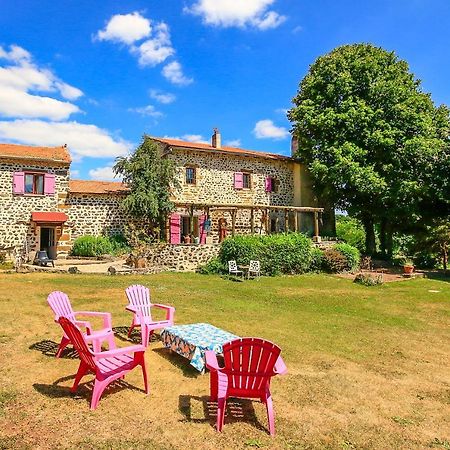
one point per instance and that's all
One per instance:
(99, 245)
(288, 253)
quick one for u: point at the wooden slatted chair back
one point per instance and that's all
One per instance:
(139, 296)
(249, 364)
(60, 304)
(77, 339)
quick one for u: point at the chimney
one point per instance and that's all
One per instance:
(294, 145)
(216, 139)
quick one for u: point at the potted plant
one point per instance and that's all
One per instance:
(408, 266)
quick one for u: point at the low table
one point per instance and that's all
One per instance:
(192, 341)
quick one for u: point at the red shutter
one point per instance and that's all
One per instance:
(175, 229)
(49, 184)
(202, 229)
(19, 183)
(268, 184)
(238, 180)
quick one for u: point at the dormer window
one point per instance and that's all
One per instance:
(191, 175)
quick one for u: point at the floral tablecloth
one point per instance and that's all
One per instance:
(191, 341)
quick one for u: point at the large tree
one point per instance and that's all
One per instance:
(373, 140)
(150, 177)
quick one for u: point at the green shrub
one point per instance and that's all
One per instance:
(351, 231)
(213, 266)
(351, 254)
(288, 253)
(316, 260)
(99, 245)
(369, 279)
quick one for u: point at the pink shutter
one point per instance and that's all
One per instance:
(49, 184)
(238, 180)
(175, 229)
(268, 184)
(19, 183)
(202, 229)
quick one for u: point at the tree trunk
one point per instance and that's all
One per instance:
(370, 235)
(389, 241)
(444, 257)
(383, 226)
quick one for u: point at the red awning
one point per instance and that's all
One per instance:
(49, 217)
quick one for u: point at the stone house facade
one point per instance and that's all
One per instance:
(221, 191)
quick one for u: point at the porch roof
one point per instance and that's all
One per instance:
(48, 217)
(229, 206)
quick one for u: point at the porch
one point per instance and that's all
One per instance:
(210, 223)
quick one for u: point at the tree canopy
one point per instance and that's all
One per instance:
(150, 178)
(375, 143)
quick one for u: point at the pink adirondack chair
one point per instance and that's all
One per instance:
(139, 300)
(60, 304)
(249, 365)
(107, 366)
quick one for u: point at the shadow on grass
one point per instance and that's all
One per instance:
(84, 390)
(136, 337)
(50, 348)
(201, 410)
(180, 362)
(437, 275)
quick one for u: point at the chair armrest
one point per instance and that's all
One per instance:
(211, 361)
(84, 324)
(145, 336)
(107, 319)
(120, 351)
(170, 310)
(280, 367)
(91, 337)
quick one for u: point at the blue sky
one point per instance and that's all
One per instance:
(97, 75)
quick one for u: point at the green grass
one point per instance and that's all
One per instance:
(368, 366)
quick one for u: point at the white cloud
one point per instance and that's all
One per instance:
(83, 140)
(21, 82)
(156, 50)
(297, 29)
(237, 13)
(162, 97)
(266, 129)
(198, 138)
(125, 28)
(103, 174)
(74, 173)
(148, 110)
(174, 73)
(233, 143)
(128, 29)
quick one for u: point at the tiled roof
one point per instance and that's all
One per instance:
(224, 149)
(49, 217)
(96, 187)
(58, 154)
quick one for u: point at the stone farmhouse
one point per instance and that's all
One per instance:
(223, 191)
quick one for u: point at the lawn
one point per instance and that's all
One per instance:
(368, 367)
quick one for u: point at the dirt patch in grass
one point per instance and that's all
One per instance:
(366, 370)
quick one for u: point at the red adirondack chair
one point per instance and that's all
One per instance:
(107, 366)
(139, 300)
(60, 304)
(249, 365)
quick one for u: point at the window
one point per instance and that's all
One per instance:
(271, 184)
(34, 183)
(190, 175)
(246, 181)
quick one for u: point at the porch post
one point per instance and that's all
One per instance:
(286, 221)
(316, 227)
(252, 220)
(233, 222)
(191, 221)
(296, 221)
(267, 221)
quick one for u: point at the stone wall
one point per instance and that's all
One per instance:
(92, 214)
(16, 229)
(180, 258)
(215, 178)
